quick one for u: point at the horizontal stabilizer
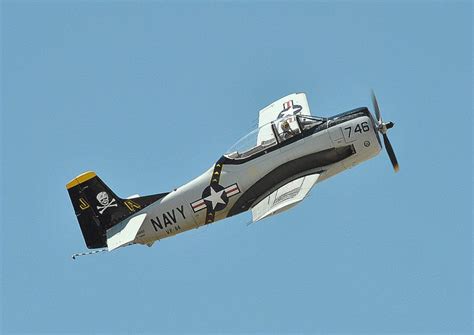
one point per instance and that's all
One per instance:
(284, 198)
(124, 232)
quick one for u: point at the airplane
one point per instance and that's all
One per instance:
(268, 171)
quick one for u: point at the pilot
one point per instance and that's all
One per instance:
(287, 131)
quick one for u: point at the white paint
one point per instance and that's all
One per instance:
(124, 232)
(215, 197)
(284, 197)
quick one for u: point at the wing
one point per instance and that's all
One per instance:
(293, 104)
(284, 198)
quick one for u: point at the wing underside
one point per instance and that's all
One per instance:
(284, 198)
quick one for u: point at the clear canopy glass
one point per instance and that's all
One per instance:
(271, 134)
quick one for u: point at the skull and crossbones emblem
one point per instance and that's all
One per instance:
(103, 199)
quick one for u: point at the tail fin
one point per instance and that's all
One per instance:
(98, 208)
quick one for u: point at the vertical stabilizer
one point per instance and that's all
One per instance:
(98, 208)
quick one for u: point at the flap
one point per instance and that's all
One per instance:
(284, 198)
(124, 232)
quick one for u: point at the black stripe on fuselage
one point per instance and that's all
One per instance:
(286, 171)
(215, 177)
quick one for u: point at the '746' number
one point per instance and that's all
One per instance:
(359, 128)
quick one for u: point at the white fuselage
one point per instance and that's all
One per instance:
(175, 213)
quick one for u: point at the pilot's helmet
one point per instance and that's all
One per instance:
(285, 125)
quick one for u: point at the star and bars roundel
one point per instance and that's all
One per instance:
(289, 108)
(215, 197)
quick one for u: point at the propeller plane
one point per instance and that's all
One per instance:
(267, 172)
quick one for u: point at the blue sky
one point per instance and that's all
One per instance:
(149, 94)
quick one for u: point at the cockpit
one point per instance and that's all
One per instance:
(271, 134)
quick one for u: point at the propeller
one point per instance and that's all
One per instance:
(382, 128)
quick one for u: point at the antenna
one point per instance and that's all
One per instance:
(88, 253)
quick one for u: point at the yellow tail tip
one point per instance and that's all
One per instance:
(80, 179)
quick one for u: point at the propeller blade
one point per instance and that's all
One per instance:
(391, 153)
(376, 108)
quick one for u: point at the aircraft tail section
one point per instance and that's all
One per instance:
(98, 208)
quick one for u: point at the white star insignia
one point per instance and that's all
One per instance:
(215, 198)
